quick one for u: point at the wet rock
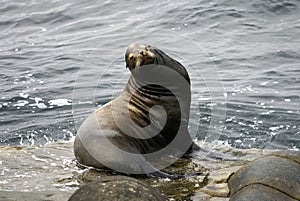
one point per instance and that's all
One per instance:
(204, 197)
(291, 155)
(221, 175)
(117, 188)
(268, 178)
(216, 190)
(216, 186)
(30, 196)
(50, 173)
(261, 193)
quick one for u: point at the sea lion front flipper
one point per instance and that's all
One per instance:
(203, 154)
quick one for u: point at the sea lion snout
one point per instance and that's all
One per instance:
(138, 55)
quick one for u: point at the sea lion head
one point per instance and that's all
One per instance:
(138, 55)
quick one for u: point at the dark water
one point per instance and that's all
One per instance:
(60, 60)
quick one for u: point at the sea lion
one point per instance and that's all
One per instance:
(145, 128)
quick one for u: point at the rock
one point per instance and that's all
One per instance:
(50, 173)
(204, 197)
(216, 190)
(117, 188)
(291, 155)
(268, 178)
(221, 175)
(30, 196)
(261, 193)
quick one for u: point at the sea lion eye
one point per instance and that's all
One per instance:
(142, 53)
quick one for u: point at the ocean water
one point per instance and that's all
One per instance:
(60, 60)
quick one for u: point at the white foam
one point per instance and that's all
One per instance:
(23, 95)
(21, 103)
(38, 103)
(60, 102)
(275, 128)
(264, 83)
(203, 99)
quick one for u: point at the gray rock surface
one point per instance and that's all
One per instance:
(119, 188)
(268, 178)
(50, 173)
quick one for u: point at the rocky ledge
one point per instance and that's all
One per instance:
(50, 173)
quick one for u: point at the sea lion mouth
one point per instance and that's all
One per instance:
(138, 55)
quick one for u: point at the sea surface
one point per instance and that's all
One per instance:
(60, 60)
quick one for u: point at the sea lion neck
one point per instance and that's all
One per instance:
(148, 90)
